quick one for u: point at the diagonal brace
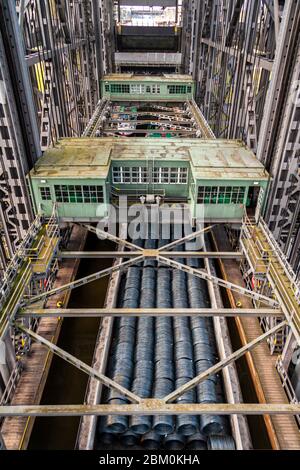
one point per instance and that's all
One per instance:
(84, 280)
(80, 364)
(111, 237)
(221, 364)
(185, 239)
(216, 280)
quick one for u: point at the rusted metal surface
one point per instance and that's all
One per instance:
(152, 407)
(144, 312)
(130, 254)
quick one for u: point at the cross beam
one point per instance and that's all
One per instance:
(153, 407)
(80, 364)
(216, 280)
(144, 312)
(167, 254)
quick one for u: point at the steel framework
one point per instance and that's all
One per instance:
(52, 55)
(244, 57)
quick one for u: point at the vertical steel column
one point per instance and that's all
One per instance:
(19, 141)
(278, 145)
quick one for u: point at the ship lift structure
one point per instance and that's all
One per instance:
(270, 284)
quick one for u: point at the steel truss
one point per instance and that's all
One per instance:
(19, 139)
(139, 405)
(149, 405)
(144, 253)
(231, 60)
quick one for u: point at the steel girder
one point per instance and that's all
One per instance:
(144, 312)
(152, 407)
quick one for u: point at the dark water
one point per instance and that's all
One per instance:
(65, 383)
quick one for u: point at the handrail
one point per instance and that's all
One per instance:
(15, 296)
(270, 259)
(281, 257)
(288, 387)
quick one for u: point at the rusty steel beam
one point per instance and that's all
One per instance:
(150, 406)
(144, 312)
(130, 254)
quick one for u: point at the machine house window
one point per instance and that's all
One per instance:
(78, 194)
(119, 88)
(134, 175)
(170, 175)
(221, 194)
(177, 89)
(141, 175)
(137, 89)
(45, 193)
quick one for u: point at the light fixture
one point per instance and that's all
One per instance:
(43, 181)
(255, 183)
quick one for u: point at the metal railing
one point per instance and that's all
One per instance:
(288, 387)
(16, 262)
(11, 384)
(268, 261)
(290, 273)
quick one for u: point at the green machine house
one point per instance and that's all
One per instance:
(82, 176)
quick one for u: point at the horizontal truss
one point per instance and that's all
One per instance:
(169, 254)
(152, 407)
(156, 254)
(144, 312)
